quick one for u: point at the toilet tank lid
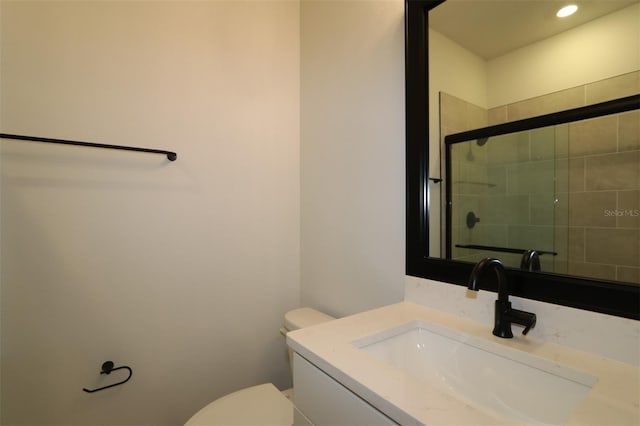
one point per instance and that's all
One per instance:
(304, 317)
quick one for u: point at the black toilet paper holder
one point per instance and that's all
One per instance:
(107, 368)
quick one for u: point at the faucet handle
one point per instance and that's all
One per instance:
(530, 261)
(527, 328)
(526, 319)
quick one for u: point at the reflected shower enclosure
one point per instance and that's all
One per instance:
(570, 191)
(504, 196)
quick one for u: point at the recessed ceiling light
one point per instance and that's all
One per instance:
(566, 11)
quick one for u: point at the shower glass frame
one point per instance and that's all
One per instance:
(530, 124)
(504, 196)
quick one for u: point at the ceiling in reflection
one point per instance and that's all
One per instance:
(491, 28)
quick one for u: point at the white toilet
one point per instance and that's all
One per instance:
(262, 404)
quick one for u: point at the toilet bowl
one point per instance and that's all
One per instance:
(262, 404)
(258, 405)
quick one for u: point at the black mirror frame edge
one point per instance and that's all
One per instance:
(608, 297)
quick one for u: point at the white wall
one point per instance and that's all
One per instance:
(182, 270)
(352, 117)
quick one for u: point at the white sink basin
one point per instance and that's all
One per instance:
(484, 374)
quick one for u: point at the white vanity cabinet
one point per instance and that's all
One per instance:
(351, 370)
(321, 400)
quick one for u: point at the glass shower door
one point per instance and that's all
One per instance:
(507, 195)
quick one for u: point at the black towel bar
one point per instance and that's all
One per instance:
(503, 249)
(171, 156)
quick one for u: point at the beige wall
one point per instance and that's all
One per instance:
(182, 270)
(352, 118)
(603, 48)
(177, 250)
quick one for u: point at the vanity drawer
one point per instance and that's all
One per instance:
(324, 401)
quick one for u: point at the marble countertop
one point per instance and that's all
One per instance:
(613, 400)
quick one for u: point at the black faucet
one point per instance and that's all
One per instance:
(504, 313)
(530, 261)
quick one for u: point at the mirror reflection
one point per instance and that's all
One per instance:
(571, 192)
(504, 197)
(546, 199)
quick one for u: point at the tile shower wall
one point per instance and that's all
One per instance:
(604, 197)
(596, 222)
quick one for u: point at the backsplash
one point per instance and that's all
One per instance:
(604, 335)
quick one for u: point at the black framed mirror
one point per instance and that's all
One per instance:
(609, 297)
